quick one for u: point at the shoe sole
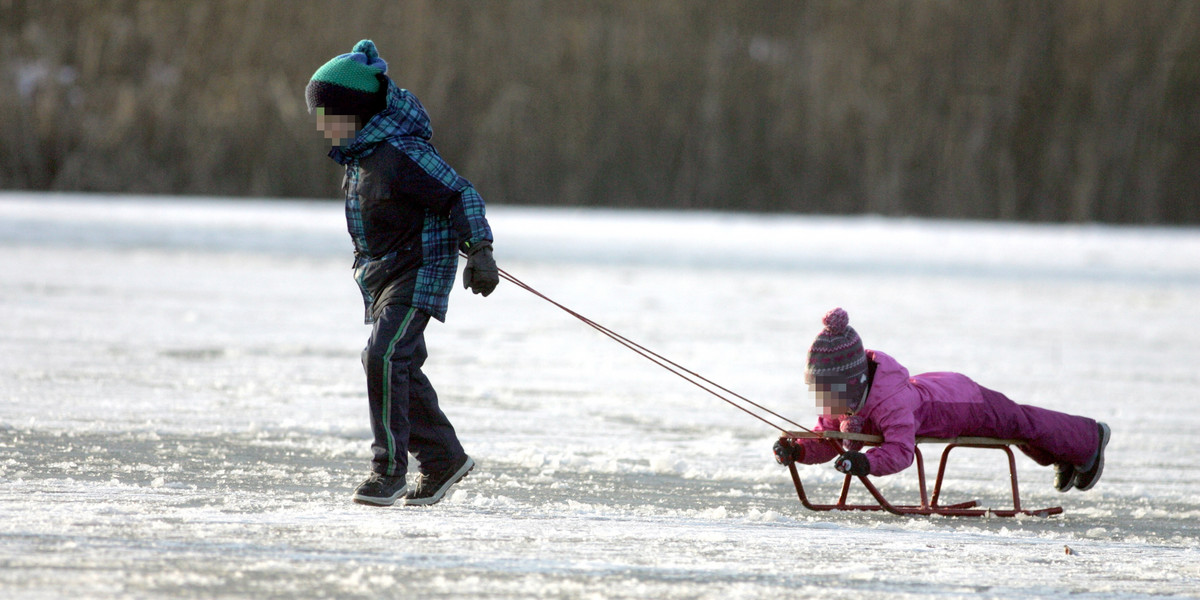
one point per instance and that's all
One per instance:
(381, 501)
(1105, 432)
(437, 496)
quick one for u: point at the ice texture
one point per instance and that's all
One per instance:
(182, 407)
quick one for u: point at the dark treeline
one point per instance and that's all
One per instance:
(1084, 110)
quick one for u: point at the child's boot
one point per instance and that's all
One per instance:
(1087, 477)
(1064, 476)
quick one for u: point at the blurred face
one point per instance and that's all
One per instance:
(338, 129)
(834, 396)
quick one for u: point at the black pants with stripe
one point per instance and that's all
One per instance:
(404, 406)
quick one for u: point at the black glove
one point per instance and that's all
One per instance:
(787, 451)
(854, 463)
(481, 274)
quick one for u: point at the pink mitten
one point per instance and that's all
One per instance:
(852, 424)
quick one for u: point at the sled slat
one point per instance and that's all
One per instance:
(876, 439)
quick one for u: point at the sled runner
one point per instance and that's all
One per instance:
(928, 505)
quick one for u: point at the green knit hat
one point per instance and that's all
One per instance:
(350, 84)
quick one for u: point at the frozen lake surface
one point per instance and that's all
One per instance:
(182, 411)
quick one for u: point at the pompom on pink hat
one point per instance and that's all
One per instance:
(837, 353)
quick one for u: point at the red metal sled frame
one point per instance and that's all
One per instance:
(927, 506)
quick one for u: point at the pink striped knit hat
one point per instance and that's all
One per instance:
(837, 353)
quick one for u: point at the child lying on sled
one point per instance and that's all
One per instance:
(867, 391)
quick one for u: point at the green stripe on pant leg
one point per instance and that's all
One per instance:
(387, 390)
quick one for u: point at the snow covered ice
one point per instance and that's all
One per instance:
(182, 411)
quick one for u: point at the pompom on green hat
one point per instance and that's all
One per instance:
(350, 84)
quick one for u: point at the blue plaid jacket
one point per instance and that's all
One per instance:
(408, 212)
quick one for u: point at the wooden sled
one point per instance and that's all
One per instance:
(928, 506)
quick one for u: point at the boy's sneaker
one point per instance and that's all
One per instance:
(1088, 477)
(380, 490)
(1064, 476)
(429, 488)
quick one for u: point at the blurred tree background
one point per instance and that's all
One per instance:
(1077, 110)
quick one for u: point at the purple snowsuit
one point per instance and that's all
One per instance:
(901, 408)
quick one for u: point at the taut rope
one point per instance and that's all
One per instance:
(732, 398)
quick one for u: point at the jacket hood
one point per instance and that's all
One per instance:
(402, 117)
(890, 379)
